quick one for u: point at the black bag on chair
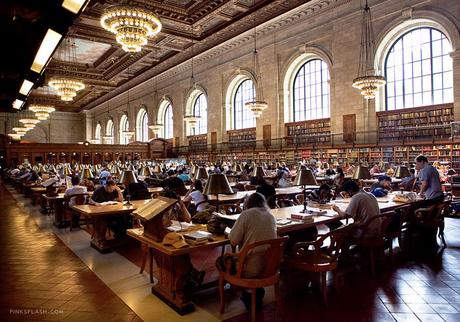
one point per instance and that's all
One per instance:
(217, 225)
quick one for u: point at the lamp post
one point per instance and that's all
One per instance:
(305, 177)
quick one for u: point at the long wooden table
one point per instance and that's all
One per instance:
(100, 215)
(175, 264)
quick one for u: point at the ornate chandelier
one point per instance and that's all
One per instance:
(156, 128)
(42, 111)
(257, 106)
(192, 120)
(20, 130)
(67, 88)
(15, 136)
(29, 123)
(65, 84)
(132, 26)
(368, 80)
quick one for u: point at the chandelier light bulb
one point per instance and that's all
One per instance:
(29, 123)
(65, 87)
(132, 26)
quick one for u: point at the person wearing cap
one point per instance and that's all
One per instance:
(255, 223)
(430, 188)
(381, 187)
(363, 207)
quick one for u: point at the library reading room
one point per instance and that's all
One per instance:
(230, 160)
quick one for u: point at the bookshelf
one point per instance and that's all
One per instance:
(240, 139)
(308, 132)
(198, 142)
(428, 123)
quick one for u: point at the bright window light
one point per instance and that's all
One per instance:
(47, 47)
(73, 5)
(26, 87)
(17, 104)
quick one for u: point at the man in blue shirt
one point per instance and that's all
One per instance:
(183, 176)
(431, 185)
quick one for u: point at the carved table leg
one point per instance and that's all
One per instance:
(174, 273)
(99, 241)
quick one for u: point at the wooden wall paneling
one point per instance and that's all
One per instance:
(349, 128)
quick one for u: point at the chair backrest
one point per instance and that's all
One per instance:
(385, 220)
(274, 247)
(79, 198)
(434, 214)
(283, 201)
(336, 240)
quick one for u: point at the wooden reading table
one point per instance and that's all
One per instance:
(100, 215)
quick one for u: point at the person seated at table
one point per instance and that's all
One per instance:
(407, 183)
(381, 187)
(282, 178)
(183, 176)
(255, 223)
(338, 181)
(137, 191)
(266, 189)
(245, 173)
(363, 206)
(104, 176)
(196, 195)
(75, 190)
(375, 169)
(321, 194)
(89, 184)
(111, 192)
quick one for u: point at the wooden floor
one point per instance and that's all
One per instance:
(42, 280)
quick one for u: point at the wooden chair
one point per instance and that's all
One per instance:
(270, 275)
(299, 198)
(79, 199)
(283, 201)
(396, 226)
(430, 220)
(315, 256)
(374, 243)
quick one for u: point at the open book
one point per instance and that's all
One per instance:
(106, 203)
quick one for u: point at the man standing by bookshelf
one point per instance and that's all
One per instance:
(430, 188)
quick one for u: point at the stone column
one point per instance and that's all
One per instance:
(89, 118)
(456, 74)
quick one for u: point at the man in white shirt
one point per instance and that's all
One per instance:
(75, 190)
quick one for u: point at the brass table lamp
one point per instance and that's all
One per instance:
(127, 177)
(305, 177)
(217, 183)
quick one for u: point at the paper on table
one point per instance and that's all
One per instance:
(176, 226)
(106, 203)
(231, 217)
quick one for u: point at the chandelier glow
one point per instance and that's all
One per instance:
(132, 26)
(67, 88)
(368, 85)
(14, 136)
(20, 130)
(256, 107)
(29, 123)
(42, 111)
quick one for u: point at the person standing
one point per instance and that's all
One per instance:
(430, 188)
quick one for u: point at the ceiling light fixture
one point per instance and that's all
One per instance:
(131, 25)
(47, 47)
(26, 87)
(66, 85)
(17, 104)
(257, 106)
(29, 123)
(41, 111)
(15, 136)
(20, 130)
(73, 6)
(368, 80)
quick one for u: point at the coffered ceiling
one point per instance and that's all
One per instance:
(104, 67)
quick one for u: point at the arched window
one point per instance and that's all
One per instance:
(311, 91)
(124, 127)
(97, 133)
(168, 122)
(200, 108)
(142, 126)
(242, 116)
(109, 132)
(418, 70)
